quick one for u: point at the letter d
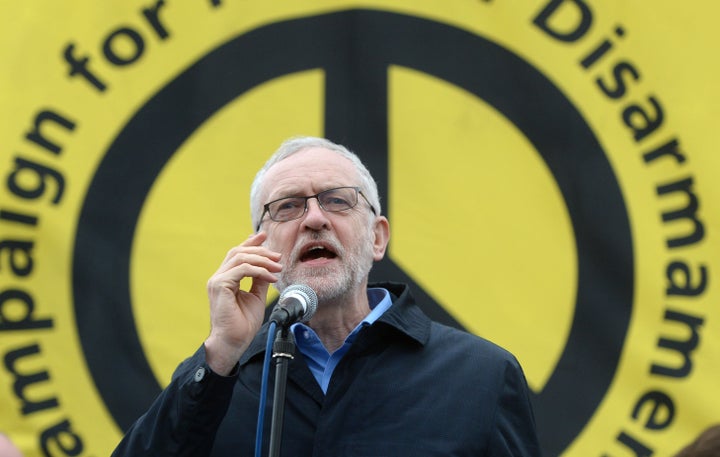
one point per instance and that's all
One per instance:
(570, 32)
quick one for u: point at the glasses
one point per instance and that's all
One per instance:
(331, 200)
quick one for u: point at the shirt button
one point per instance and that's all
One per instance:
(199, 374)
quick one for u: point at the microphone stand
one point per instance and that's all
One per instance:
(283, 352)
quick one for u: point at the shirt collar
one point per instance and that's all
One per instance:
(379, 301)
(403, 315)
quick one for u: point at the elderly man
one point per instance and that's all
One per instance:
(373, 375)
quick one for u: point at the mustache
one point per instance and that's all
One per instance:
(331, 241)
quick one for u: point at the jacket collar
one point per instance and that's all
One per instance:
(404, 316)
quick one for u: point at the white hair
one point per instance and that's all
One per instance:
(297, 144)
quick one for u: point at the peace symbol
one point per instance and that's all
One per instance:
(355, 49)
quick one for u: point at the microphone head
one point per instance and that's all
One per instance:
(305, 295)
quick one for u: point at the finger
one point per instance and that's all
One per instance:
(231, 278)
(255, 239)
(251, 246)
(259, 259)
(259, 288)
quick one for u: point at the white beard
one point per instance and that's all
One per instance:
(332, 282)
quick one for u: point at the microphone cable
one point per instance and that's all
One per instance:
(264, 388)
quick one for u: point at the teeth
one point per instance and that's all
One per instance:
(315, 248)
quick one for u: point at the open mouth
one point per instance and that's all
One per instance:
(317, 251)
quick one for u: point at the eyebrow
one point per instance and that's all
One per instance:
(305, 194)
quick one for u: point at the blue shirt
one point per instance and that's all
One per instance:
(319, 360)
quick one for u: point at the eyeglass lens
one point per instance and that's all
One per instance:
(333, 200)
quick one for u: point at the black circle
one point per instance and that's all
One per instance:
(355, 48)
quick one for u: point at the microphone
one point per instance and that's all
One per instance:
(297, 303)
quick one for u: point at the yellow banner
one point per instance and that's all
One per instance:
(549, 169)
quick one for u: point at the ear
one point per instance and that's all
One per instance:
(381, 232)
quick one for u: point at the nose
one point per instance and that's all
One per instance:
(315, 217)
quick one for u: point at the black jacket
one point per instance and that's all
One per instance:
(407, 387)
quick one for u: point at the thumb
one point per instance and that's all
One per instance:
(259, 288)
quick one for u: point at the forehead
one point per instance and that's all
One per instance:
(312, 169)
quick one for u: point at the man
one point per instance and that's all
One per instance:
(373, 376)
